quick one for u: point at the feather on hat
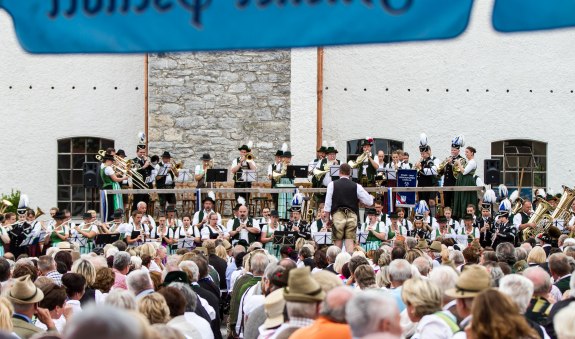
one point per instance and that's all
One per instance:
(458, 142)
(423, 146)
(241, 200)
(503, 191)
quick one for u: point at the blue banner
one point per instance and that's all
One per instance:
(406, 178)
(125, 26)
(529, 15)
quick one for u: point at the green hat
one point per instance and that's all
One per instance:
(330, 149)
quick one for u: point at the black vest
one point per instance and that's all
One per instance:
(161, 180)
(344, 195)
(426, 180)
(449, 179)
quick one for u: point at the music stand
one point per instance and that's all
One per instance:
(249, 176)
(28, 240)
(391, 174)
(217, 175)
(186, 243)
(322, 238)
(40, 235)
(184, 175)
(355, 173)
(361, 237)
(284, 238)
(296, 171)
(103, 239)
(334, 172)
(79, 239)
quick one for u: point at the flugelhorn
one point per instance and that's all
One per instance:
(360, 159)
(250, 157)
(176, 167)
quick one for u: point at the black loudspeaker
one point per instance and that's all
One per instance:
(492, 169)
(90, 174)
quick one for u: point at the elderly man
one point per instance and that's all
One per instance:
(104, 321)
(399, 272)
(303, 297)
(331, 254)
(207, 300)
(121, 267)
(140, 283)
(560, 270)
(146, 218)
(539, 307)
(331, 322)
(520, 289)
(258, 264)
(244, 227)
(191, 299)
(25, 296)
(472, 281)
(47, 268)
(372, 314)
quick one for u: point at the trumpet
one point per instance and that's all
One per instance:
(5, 205)
(249, 157)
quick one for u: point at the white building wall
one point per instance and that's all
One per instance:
(396, 104)
(32, 120)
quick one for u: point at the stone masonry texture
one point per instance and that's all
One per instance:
(215, 102)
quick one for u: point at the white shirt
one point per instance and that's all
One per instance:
(362, 195)
(314, 228)
(196, 219)
(121, 228)
(243, 233)
(201, 324)
(432, 326)
(471, 166)
(144, 231)
(146, 219)
(205, 233)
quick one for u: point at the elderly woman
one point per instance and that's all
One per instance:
(154, 307)
(536, 256)
(423, 304)
(340, 260)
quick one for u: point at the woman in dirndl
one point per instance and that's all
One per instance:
(267, 234)
(465, 178)
(88, 230)
(284, 197)
(375, 230)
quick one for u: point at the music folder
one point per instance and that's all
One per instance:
(217, 175)
(102, 239)
(296, 171)
(249, 176)
(361, 237)
(334, 171)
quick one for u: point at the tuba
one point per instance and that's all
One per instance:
(540, 218)
(4, 204)
(563, 209)
(517, 206)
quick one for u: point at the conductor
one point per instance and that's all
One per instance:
(342, 200)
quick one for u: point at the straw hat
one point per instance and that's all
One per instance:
(470, 283)
(302, 287)
(23, 291)
(274, 305)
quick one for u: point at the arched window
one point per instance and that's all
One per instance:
(72, 153)
(523, 163)
(387, 145)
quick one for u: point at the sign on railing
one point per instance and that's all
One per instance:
(68, 26)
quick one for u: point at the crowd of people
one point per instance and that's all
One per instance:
(409, 289)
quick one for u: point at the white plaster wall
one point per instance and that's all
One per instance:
(303, 104)
(32, 120)
(478, 60)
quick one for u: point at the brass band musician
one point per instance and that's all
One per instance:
(321, 175)
(449, 171)
(367, 168)
(239, 165)
(166, 179)
(273, 171)
(201, 170)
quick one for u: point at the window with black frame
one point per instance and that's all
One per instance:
(72, 153)
(523, 163)
(387, 145)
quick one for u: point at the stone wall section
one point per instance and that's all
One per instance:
(214, 102)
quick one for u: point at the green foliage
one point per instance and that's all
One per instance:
(14, 198)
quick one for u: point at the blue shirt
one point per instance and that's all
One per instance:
(229, 270)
